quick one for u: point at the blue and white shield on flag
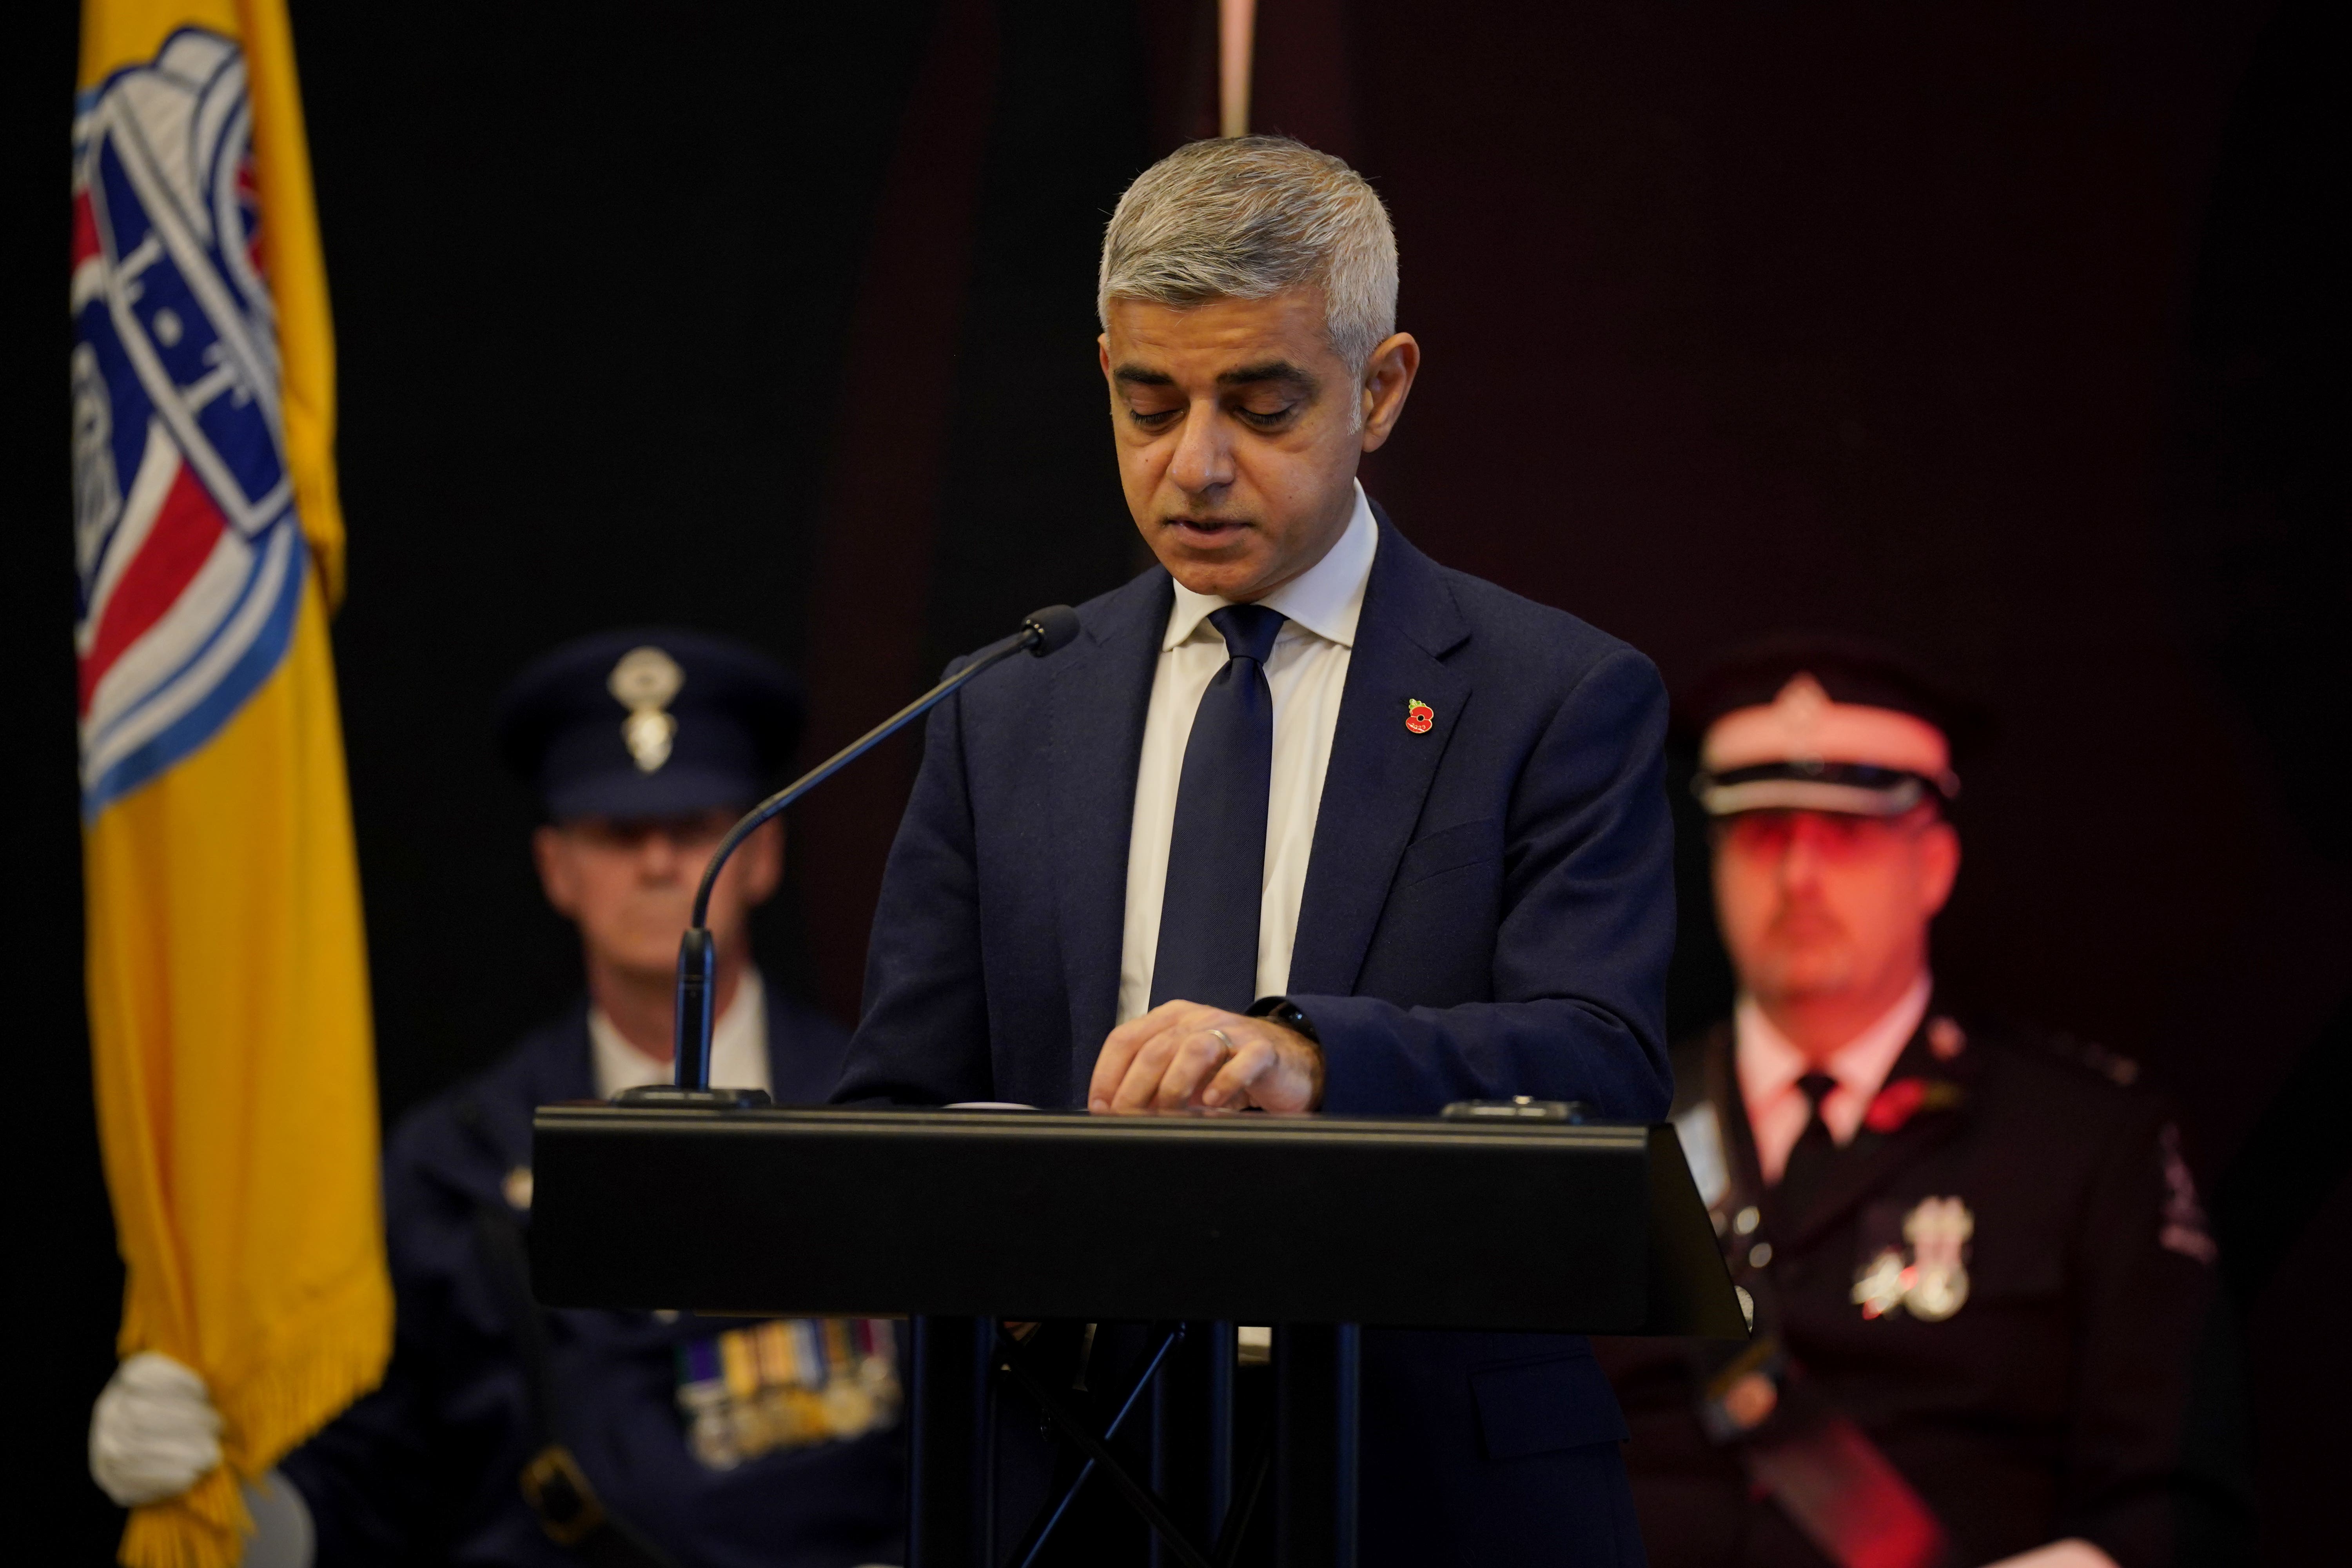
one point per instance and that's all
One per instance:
(188, 550)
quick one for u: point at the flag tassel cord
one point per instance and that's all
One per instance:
(277, 1406)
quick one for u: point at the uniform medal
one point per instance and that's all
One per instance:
(785, 1384)
(1930, 1284)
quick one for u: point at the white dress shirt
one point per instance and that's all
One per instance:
(1769, 1067)
(739, 1047)
(1307, 671)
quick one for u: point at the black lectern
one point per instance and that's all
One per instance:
(965, 1219)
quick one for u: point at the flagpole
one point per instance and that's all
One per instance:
(1237, 32)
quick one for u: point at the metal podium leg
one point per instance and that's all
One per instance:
(1317, 1401)
(1144, 1379)
(951, 1491)
(1193, 1434)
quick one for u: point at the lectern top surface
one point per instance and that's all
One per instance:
(984, 1122)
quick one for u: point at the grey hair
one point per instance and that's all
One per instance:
(1246, 216)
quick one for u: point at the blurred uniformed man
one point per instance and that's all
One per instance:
(1977, 1262)
(509, 1434)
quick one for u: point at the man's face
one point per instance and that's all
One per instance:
(629, 885)
(1238, 432)
(1814, 904)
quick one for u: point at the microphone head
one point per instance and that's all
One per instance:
(1055, 625)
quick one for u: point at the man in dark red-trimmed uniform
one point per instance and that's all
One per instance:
(1978, 1262)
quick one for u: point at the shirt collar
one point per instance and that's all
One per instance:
(1770, 1064)
(1326, 599)
(742, 1028)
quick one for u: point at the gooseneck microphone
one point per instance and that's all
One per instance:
(1042, 632)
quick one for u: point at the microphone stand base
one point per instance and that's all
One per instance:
(669, 1096)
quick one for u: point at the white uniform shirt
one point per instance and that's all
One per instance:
(1307, 671)
(739, 1047)
(1769, 1067)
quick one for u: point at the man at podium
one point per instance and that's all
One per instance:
(1302, 821)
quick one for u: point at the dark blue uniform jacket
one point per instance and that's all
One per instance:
(1487, 911)
(425, 1469)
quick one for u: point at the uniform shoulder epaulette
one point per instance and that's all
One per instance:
(2113, 1066)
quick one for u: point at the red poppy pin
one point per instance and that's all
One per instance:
(1905, 1098)
(1419, 715)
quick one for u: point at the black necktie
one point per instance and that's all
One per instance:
(1810, 1156)
(1216, 852)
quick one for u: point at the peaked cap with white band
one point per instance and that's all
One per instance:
(1823, 724)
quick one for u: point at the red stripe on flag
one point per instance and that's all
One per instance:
(174, 551)
(85, 230)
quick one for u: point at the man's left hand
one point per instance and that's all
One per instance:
(1182, 1053)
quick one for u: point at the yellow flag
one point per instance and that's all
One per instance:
(227, 977)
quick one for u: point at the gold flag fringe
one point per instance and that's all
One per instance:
(277, 1405)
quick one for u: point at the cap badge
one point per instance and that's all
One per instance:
(644, 682)
(1799, 708)
(1419, 715)
(1802, 697)
(1933, 1283)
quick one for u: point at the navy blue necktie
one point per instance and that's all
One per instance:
(1216, 854)
(1812, 1153)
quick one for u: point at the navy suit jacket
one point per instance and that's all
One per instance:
(1489, 911)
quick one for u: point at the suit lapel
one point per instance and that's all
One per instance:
(1380, 770)
(1865, 1165)
(1101, 691)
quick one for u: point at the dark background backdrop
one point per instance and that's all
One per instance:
(2002, 332)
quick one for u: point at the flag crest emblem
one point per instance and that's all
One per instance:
(190, 557)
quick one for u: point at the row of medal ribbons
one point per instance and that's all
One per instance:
(787, 1383)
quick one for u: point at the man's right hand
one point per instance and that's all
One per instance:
(153, 1433)
(1183, 1053)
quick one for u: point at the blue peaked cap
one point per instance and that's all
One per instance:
(650, 723)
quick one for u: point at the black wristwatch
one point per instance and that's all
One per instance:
(1283, 1011)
